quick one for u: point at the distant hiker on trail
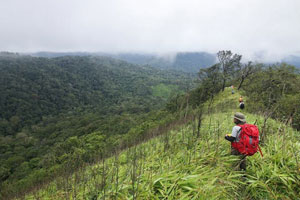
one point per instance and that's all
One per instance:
(241, 99)
(232, 89)
(242, 104)
(244, 139)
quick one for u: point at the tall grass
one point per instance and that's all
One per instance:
(182, 165)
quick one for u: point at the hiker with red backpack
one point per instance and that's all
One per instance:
(244, 139)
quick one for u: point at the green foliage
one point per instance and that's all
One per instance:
(288, 109)
(192, 168)
(275, 90)
(33, 88)
(164, 91)
(229, 64)
(211, 79)
(48, 106)
(92, 141)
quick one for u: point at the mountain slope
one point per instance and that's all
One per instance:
(181, 61)
(45, 102)
(32, 88)
(178, 165)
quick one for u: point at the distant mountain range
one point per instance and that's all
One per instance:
(293, 60)
(182, 61)
(187, 62)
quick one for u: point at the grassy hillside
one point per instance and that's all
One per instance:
(180, 165)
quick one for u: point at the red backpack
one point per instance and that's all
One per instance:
(248, 140)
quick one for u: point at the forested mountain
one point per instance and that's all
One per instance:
(62, 146)
(190, 159)
(44, 101)
(32, 88)
(181, 61)
(187, 62)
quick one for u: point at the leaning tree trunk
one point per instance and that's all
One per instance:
(223, 86)
(240, 85)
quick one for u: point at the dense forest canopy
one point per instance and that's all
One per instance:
(33, 88)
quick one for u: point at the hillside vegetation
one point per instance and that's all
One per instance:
(44, 102)
(132, 146)
(180, 165)
(33, 88)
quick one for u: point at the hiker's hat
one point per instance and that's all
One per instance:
(240, 116)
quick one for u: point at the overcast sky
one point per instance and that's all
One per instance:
(253, 28)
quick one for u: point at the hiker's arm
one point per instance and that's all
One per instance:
(229, 138)
(232, 137)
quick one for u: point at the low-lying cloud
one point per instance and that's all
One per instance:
(263, 30)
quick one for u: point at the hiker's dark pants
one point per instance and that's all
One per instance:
(242, 161)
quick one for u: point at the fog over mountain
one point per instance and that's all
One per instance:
(181, 61)
(259, 30)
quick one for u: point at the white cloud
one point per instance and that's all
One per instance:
(244, 26)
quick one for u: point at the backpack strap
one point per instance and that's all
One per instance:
(260, 151)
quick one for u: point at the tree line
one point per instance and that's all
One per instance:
(271, 89)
